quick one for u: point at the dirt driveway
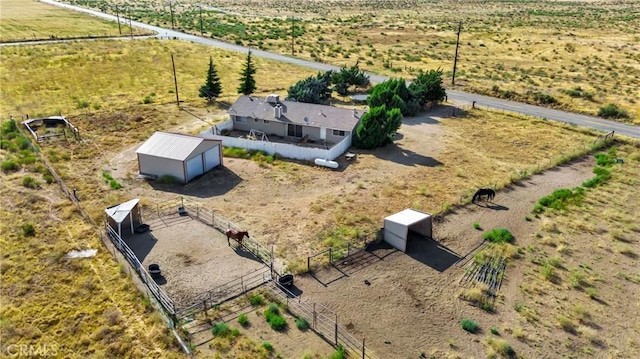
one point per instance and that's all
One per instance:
(411, 303)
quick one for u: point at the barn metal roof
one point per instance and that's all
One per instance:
(299, 113)
(120, 212)
(407, 217)
(175, 146)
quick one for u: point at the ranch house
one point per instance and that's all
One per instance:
(291, 129)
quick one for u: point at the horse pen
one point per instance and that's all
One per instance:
(199, 268)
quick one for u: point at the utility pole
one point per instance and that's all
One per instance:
(175, 80)
(130, 26)
(455, 60)
(118, 16)
(201, 20)
(173, 25)
(293, 34)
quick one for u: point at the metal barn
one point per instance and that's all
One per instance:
(181, 156)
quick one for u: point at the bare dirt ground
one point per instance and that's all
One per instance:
(411, 304)
(194, 257)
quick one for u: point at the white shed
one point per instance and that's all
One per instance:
(183, 157)
(125, 214)
(398, 225)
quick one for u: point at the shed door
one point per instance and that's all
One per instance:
(212, 158)
(194, 167)
(396, 235)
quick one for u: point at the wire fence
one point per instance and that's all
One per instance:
(322, 320)
(336, 253)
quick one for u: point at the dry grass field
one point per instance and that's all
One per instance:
(573, 56)
(104, 76)
(120, 93)
(54, 305)
(25, 20)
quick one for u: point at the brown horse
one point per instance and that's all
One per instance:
(237, 235)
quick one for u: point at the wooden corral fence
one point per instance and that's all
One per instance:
(223, 293)
(157, 292)
(333, 254)
(210, 218)
(322, 320)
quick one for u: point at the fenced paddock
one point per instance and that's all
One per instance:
(322, 320)
(194, 258)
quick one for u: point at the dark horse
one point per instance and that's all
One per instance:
(237, 235)
(484, 192)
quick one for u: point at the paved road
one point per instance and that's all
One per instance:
(453, 95)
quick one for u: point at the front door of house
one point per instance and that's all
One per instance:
(294, 130)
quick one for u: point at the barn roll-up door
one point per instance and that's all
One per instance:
(212, 158)
(195, 167)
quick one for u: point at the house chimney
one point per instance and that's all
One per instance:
(354, 112)
(277, 111)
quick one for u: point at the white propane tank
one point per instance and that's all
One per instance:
(326, 163)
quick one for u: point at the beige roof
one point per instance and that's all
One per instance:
(175, 146)
(297, 113)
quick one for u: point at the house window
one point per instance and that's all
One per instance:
(255, 120)
(338, 133)
(241, 119)
(266, 121)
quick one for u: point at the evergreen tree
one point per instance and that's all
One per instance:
(211, 89)
(427, 87)
(247, 82)
(313, 89)
(377, 126)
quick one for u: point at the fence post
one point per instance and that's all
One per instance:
(336, 332)
(213, 219)
(330, 255)
(308, 264)
(348, 248)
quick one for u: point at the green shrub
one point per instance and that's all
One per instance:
(220, 330)
(10, 166)
(469, 325)
(114, 184)
(559, 199)
(612, 111)
(48, 178)
(256, 299)
(476, 225)
(495, 331)
(275, 320)
(302, 324)
(28, 230)
(30, 182)
(340, 353)
(544, 98)
(501, 347)
(499, 235)
(243, 320)
(147, 100)
(23, 143)
(268, 346)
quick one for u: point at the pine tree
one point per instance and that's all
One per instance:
(247, 82)
(211, 89)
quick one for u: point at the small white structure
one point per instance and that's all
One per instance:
(397, 227)
(183, 157)
(127, 214)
